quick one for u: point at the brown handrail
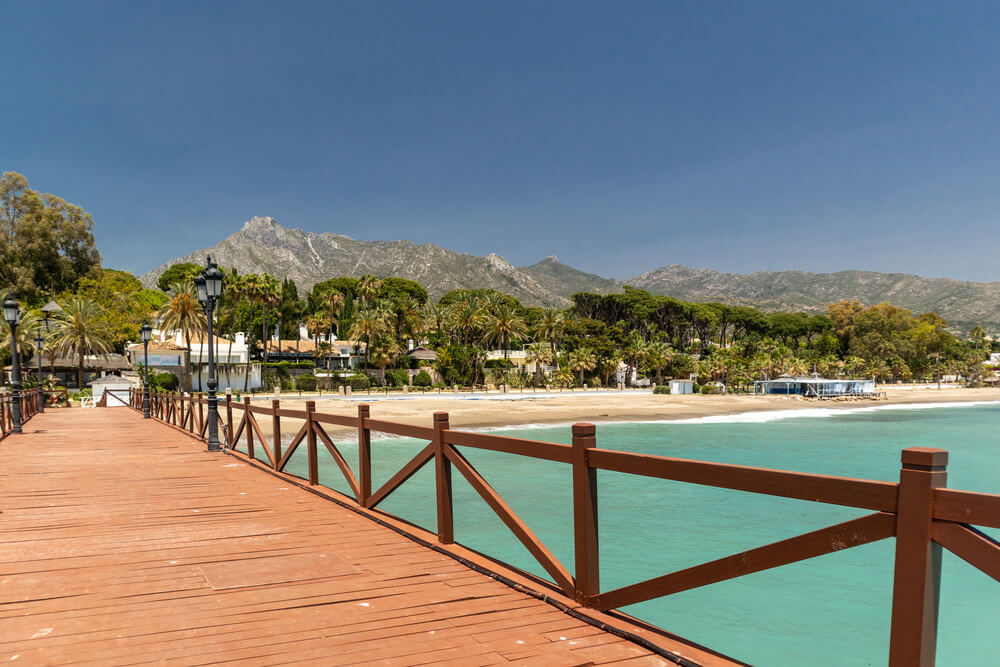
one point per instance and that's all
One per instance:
(918, 511)
(29, 408)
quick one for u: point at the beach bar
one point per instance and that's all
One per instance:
(814, 387)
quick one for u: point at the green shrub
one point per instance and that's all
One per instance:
(440, 385)
(287, 384)
(397, 378)
(163, 381)
(707, 389)
(291, 364)
(661, 389)
(422, 379)
(355, 382)
(306, 383)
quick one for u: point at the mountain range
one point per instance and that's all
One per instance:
(263, 245)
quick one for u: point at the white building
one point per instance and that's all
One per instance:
(168, 351)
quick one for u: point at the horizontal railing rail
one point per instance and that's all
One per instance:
(30, 400)
(918, 511)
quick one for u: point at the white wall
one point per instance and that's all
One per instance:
(235, 379)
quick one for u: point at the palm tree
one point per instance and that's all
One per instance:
(608, 365)
(368, 324)
(466, 318)
(79, 330)
(504, 324)
(30, 321)
(633, 354)
(384, 351)
(551, 327)
(437, 317)
(538, 354)
(269, 296)
(657, 357)
(580, 360)
(368, 288)
(335, 303)
(183, 313)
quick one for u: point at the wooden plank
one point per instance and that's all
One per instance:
(336, 420)
(549, 451)
(167, 553)
(973, 546)
(292, 446)
(845, 535)
(407, 471)
(263, 440)
(405, 430)
(981, 509)
(860, 493)
(339, 460)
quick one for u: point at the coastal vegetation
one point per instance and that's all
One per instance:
(598, 338)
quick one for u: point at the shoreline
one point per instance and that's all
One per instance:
(527, 411)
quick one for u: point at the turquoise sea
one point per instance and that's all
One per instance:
(832, 610)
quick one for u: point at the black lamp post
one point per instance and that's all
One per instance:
(39, 343)
(12, 313)
(145, 333)
(209, 286)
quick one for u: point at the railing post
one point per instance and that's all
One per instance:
(586, 550)
(276, 429)
(229, 421)
(917, 577)
(249, 428)
(201, 414)
(442, 466)
(364, 454)
(311, 443)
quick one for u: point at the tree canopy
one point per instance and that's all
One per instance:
(46, 244)
(178, 273)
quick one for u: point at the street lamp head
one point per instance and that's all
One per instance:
(199, 284)
(213, 281)
(145, 332)
(12, 312)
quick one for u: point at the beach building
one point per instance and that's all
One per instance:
(112, 391)
(65, 368)
(344, 354)
(682, 386)
(168, 352)
(421, 353)
(814, 386)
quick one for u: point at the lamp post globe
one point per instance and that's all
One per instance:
(209, 285)
(12, 313)
(145, 334)
(199, 285)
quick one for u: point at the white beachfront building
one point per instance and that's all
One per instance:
(168, 352)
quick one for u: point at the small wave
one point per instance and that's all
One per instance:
(764, 416)
(752, 417)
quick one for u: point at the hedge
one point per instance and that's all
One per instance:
(306, 383)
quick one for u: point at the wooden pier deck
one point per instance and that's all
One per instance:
(123, 542)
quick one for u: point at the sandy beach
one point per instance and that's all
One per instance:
(513, 410)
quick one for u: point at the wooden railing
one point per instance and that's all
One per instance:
(918, 511)
(29, 408)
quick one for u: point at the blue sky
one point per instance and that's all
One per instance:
(620, 136)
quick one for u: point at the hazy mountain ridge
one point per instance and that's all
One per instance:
(962, 303)
(263, 245)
